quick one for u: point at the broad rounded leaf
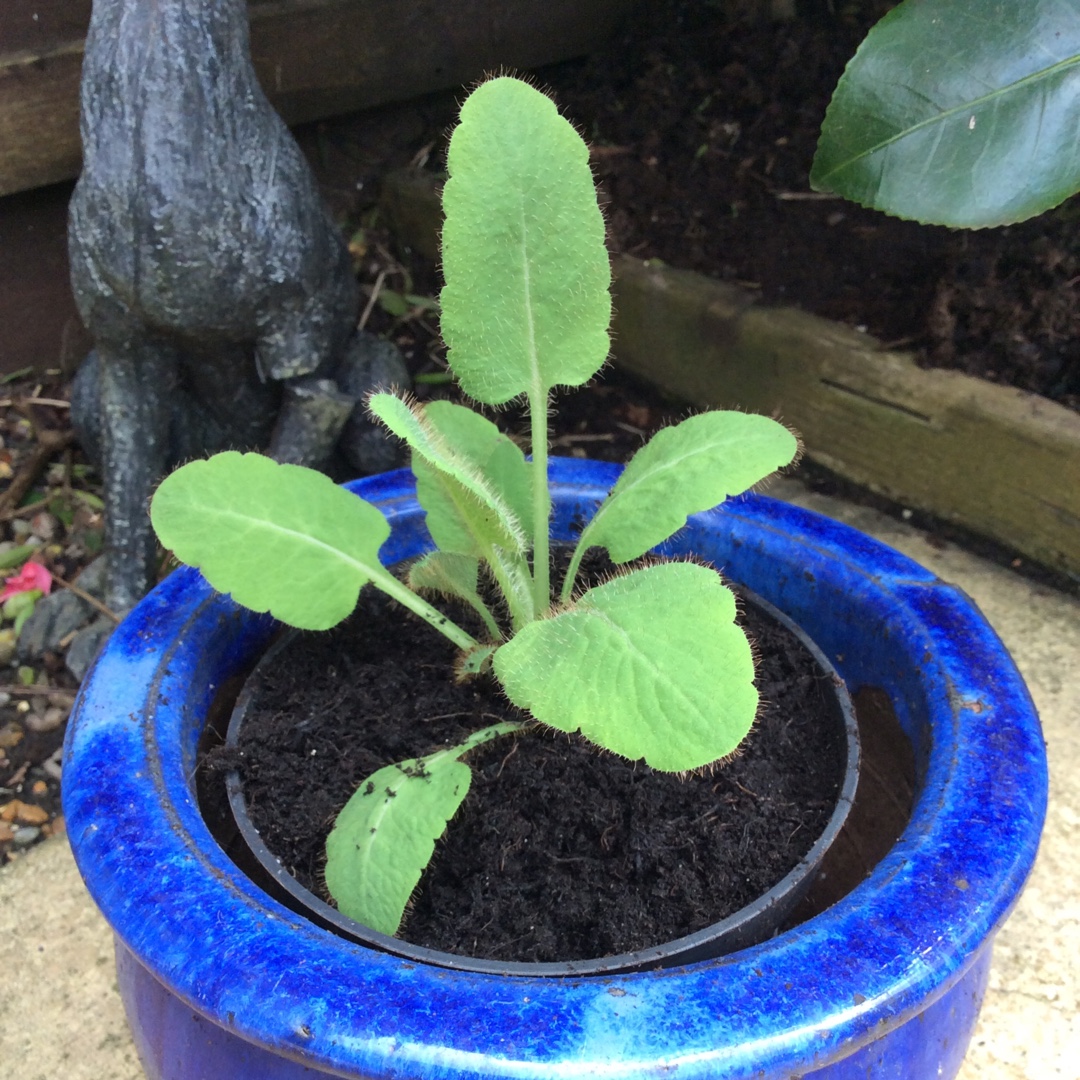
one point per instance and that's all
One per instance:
(682, 470)
(385, 835)
(278, 538)
(526, 304)
(958, 113)
(648, 665)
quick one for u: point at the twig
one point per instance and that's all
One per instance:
(56, 403)
(49, 442)
(53, 695)
(805, 196)
(375, 290)
(24, 511)
(82, 594)
(566, 440)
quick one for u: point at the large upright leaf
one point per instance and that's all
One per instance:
(682, 470)
(959, 112)
(279, 538)
(648, 665)
(526, 304)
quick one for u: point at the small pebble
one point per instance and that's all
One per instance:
(52, 767)
(47, 720)
(11, 734)
(7, 833)
(39, 787)
(25, 836)
(24, 813)
(44, 525)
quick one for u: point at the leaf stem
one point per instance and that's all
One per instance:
(383, 579)
(572, 570)
(477, 738)
(538, 422)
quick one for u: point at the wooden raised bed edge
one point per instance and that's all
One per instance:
(315, 58)
(999, 462)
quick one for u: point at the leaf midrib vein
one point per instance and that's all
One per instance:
(948, 114)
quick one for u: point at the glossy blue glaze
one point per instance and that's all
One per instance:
(221, 981)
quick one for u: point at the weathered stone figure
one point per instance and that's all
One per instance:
(217, 289)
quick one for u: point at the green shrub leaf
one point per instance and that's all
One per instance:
(386, 833)
(648, 665)
(526, 304)
(279, 538)
(682, 470)
(961, 114)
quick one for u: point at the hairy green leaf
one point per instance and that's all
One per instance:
(448, 574)
(682, 470)
(648, 665)
(470, 478)
(386, 833)
(278, 538)
(526, 304)
(961, 114)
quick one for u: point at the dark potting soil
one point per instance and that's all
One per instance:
(702, 130)
(559, 852)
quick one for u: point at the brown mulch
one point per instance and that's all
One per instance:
(50, 503)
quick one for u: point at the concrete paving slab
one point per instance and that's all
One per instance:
(58, 997)
(1029, 1028)
(62, 1015)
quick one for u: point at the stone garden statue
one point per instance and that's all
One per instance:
(218, 291)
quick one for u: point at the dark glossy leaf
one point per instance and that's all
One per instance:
(959, 112)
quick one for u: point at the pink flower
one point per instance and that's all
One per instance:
(32, 576)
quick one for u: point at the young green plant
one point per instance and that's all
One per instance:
(650, 664)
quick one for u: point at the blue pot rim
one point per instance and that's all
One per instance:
(896, 942)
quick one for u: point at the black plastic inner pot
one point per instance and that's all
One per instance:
(748, 926)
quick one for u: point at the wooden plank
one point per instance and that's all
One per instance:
(39, 118)
(1000, 462)
(315, 58)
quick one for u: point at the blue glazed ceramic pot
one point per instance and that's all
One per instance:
(220, 981)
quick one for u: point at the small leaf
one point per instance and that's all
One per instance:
(19, 606)
(448, 574)
(526, 304)
(960, 114)
(385, 835)
(393, 303)
(648, 665)
(682, 470)
(241, 518)
(462, 462)
(16, 556)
